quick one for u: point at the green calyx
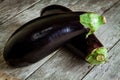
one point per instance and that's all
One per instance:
(97, 56)
(92, 21)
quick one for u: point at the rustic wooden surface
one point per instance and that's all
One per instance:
(5, 76)
(62, 65)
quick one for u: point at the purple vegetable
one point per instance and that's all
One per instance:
(42, 36)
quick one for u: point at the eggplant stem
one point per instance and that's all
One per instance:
(100, 57)
(97, 56)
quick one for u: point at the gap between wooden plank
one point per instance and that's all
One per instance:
(12, 16)
(110, 7)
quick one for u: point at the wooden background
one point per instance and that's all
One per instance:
(61, 65)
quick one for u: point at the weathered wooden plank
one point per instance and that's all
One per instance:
(63, 66)
(4, 76)
(9, 9)
(10, 26)
(108, 71)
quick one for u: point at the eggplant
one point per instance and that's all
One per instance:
(40, 37)
(43, 35)
(90, 49)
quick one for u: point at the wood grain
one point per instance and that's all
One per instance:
(63, 66)
(9, 9)
(108, 71)
(8, 27)
(23, 72)
(5, 76)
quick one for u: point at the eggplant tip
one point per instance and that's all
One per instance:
(97, 56)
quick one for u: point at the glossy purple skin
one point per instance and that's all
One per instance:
(40, 37)
(82, 46)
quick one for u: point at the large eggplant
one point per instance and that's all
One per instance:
(41, 36)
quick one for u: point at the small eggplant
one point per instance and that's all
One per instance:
(41, 36)
(90, 48)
